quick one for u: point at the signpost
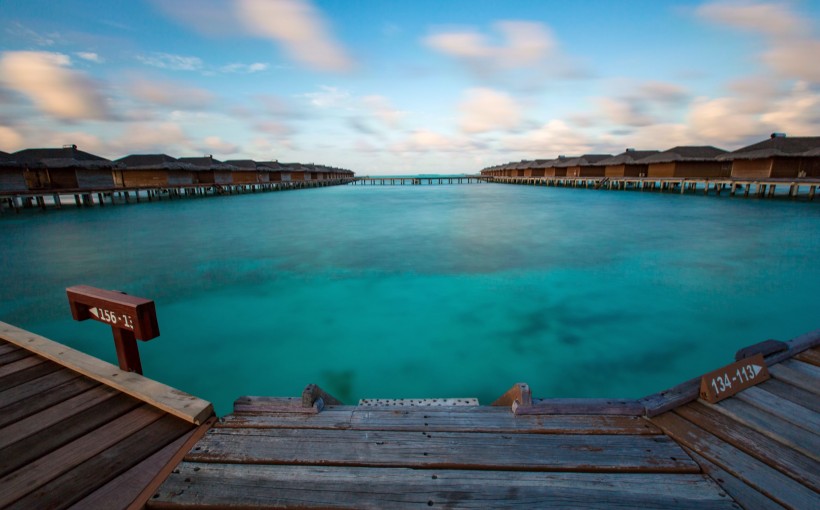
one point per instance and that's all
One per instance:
(131, 318)
(731, 379)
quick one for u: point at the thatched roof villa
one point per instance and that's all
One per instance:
(687, 161)
(146, 170)
(626, 163)
(249, 171)
(584, 166)
(210, 170)
(777, 157)
(65, 168)
(11, 175)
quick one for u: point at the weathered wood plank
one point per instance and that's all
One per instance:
(55, 414)
(46, 440)
(11, 357)
(35, 367)
(794, 394)
(164, 397)
(785, 409)
(796, 345)
(790, 435)
(265, 486)
(35, 387)
(254, 404)
(766, 348)
(444, 450)
(17, 366)
(73, 485)
(788, 461)
(19, 483)
(811, 356)
(613, 406)
(673, 397)
(798, 374)
(748, 497)
(763, 478)
(6, 348)
(486, 419)
(23, 408)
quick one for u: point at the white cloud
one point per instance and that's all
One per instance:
(774, 19)
(722, 120)
(217, 144)
(486, 109)
(299, 27)
(552, 139)
(525, 43)
(424, 140)
(797, 113)
(796, 58)
(56, 89)
(170, 94)
(328, 97)
(171, 61)
(624, 112)
(255, 67)
(381, 108)
(10, 139)
(90, 56)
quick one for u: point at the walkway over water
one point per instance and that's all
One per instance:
(757, 449)
(418, 181)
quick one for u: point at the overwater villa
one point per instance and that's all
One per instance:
(777, 157)
(67, 168)
(584, 166)
(626, 164)
(151, 170)
(210, 170)
(687, 161)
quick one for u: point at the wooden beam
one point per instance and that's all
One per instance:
(170, 400)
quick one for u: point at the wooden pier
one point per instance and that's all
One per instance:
(768, 188)
(417, 181)
(56, 199)
(757, 449)
(81, 433)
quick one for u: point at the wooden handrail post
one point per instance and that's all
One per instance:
(517, 396)
(131, 318)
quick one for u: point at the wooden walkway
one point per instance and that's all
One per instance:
(758, 449)
(76, 432)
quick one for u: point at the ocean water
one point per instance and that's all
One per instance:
(426, 291)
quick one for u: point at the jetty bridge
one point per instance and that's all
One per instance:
(418, 180)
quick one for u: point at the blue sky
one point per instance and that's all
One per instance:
(389, 87)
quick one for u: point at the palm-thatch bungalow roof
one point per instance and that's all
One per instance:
(778, 146)
(248, 165)
(153, 162)
(66, 157)
(627, 157)
(6, 159)
(585, 160)
(208, 163)
(686, 153)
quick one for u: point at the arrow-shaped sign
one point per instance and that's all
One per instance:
(757, 369)
(94, 311)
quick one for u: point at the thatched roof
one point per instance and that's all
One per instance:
(207, 163)
(65, 157)
(585, 160)
(154, 162)
(629, 157)
(6, 159)
(778, 146)
(684, 153)
(248, 165)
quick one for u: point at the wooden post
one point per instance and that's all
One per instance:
(811, 192)
(131, 318)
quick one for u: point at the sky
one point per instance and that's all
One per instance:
(396, 86)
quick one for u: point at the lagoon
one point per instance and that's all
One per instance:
(426, 291)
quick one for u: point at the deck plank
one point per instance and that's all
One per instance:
(745, 495)
(17, 366)
(798, 374)
(19, 483)
(782, 431)
(13, 356)
(484, 420)
(265, 486)
(772, 483)
(794, 394)
(48, 439)
(6, 347)
(785, 409)
(800, 467)
(35, 387)
(73, 485)
(25, 370)
(812, 356)
(444, 450)
(21, 409)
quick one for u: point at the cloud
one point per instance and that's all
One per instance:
(381, 108)
(299, 27)
(723, 120)
(217, 144)
(797, 113)
(91, 57)
(10, 139)
(486, 109)
(170, 94)
(328, 97)
(662, 92)
(423, 140)
(171, 61)
(525, 43)
(274, 128)
(624, 112)
(256, 67)
(792, 47)
(551, 139)
(47, 80)
(152, 137)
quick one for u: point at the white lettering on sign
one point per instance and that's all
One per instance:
(731, 379)
(112, 318)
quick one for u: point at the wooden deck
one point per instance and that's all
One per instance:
(758, 449)
(77, 432)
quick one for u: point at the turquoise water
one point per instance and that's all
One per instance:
(426, 291)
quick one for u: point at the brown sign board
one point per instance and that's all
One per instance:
(731, 379)
(121, 311)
